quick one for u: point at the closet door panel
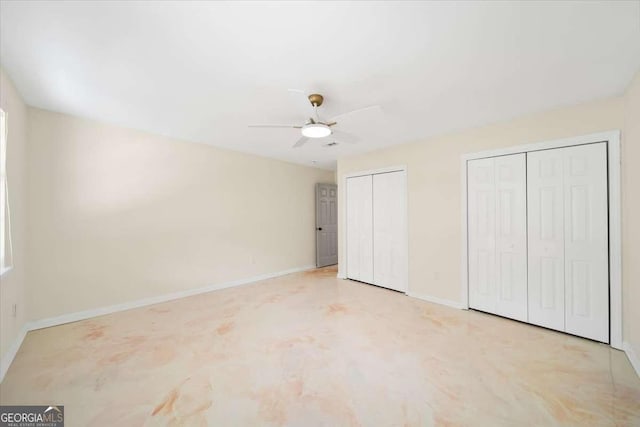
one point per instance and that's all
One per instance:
(511, 236)
(545, 217)
(359, 198)
(586, 241)
(389, 230)
(481, 205)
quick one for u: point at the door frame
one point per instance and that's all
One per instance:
(615, 237)
(342, 201)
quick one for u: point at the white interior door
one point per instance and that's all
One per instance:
(511, 236)
(586, 241)
(546, 238)
(482, 234)
(389, 231)
(359, 199)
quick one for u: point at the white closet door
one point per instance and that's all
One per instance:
(359, 197)
(586, 241)
(511, 236)
(546, 238)
(498, 235)
(482, 234)
(389, 231)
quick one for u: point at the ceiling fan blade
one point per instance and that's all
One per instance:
(303, 140)
(276, 126)
(359, 110)
(345, 136)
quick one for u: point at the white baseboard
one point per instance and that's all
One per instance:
(632, 355)
(7, 359)
(435, 300)
(101, 311)
(87, 314)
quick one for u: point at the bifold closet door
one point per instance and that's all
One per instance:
(511, 235)
(586, 241)
(568, 240)
(545, 194)
(359, 221)
(481, 219)
(389, 231)
(497, 235)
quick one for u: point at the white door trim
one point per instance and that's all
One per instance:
(615, 237)
(342, 201)
(400, 168)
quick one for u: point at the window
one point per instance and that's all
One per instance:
(5, 220)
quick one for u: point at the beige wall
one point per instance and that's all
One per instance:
(13, 283)
(631, 217)
(118, 215)
(435, 191)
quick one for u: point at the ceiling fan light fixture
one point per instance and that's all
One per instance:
(316, 130)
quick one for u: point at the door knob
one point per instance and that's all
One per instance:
(319, 228)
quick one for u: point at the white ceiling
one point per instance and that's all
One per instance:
(204, 71)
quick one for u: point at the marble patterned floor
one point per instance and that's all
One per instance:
(311, 350)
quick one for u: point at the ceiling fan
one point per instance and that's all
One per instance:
(317, 128)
